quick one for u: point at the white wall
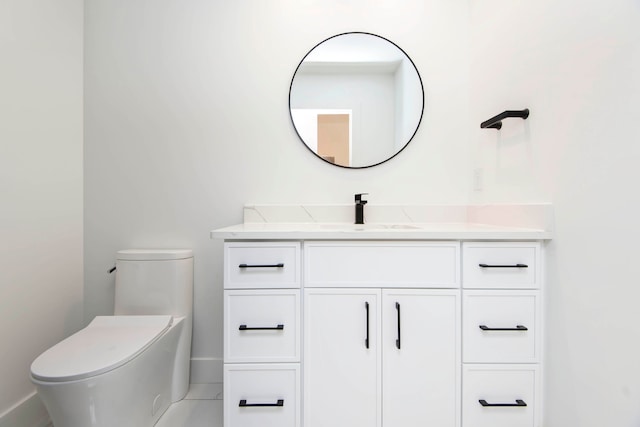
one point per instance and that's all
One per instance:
(186, 120)
(41, 292)
(576, 65)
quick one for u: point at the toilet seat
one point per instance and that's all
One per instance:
(105, 344)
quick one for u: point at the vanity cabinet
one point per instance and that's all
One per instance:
(382, 333)
(262, 334)
(502, 334)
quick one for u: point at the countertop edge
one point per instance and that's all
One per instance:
(383, 235)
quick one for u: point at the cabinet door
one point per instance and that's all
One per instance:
(421, 355)
(342, 357)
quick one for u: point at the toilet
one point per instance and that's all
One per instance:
(125, 370)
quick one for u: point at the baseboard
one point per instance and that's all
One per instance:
(29, 412)
(205, 370)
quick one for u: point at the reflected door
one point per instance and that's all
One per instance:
(333, 138)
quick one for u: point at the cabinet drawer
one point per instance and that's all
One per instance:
(255, 265)
(501, 326)
(382, 264)
(501, 265)
(496, 395)
(262, 395)
(262, 326)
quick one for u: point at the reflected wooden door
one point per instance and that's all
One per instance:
(333, 138)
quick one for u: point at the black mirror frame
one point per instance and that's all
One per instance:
(412, 135)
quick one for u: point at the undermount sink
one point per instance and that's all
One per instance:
(372, 226)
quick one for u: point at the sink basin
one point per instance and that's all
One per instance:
(365, 227)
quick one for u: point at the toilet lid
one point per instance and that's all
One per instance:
(107, 343)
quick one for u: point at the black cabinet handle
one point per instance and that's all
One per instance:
(518, 403)
(366, 340)
(281, 265)
(263, 328)
(503, 266)
(243, 403)
(517, 328)
(398, 340)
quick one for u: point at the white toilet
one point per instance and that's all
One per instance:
(125, 370)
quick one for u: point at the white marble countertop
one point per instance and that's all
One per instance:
(393, 222)
(377, 231)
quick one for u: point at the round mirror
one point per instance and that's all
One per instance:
(356, 100)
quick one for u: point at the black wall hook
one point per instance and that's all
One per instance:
(496, 121)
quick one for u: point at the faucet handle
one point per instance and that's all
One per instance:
(358, 198)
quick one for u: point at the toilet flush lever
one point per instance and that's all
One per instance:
(112, 269)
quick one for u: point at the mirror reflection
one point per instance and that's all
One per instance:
(356, 100)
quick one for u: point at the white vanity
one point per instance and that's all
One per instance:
(337, 325)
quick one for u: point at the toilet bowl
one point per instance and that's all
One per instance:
(125, 370)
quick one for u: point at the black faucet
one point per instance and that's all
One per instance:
(360, 208)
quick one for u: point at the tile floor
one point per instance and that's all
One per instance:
(201, 407)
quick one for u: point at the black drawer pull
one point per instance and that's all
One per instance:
(281, 265)
(261, 328)
(518, 403)
(398, 340)
(517, 328)
(243, 403)
(366, 340)
(503, 266)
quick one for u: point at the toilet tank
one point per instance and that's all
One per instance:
(154, 281)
